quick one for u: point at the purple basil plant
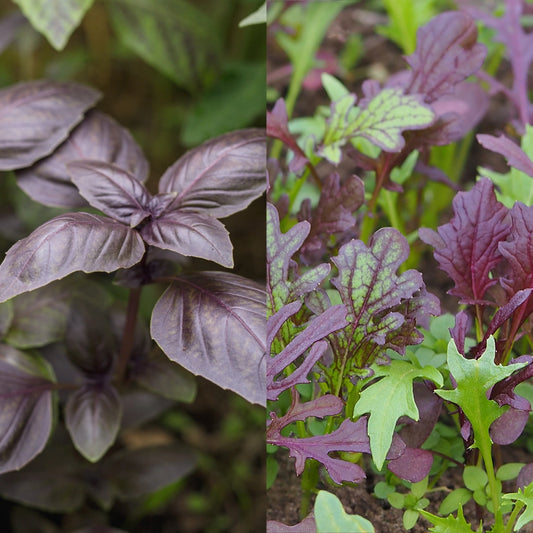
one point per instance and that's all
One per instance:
(65, 347)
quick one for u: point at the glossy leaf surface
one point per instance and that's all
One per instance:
(221, 176)
(36, 116)
(111, 189)
(213, 324)
(26, 407)
(65, 244)
(97, 137)
(191, 234)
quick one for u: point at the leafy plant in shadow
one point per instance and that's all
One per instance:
(84, 364)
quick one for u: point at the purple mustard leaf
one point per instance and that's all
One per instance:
(26, 407)
(414, 433)
(213, 324)
(374, 294)
(509, 426)
(525, 477)
(221, 176)
(333, 214)
(307, 525)
(467, 247)
(36, 116)
(191, 234)
(275, 322)
(111, 189)
(281, 285)
(463, 324)
(413, 465)
(92, 417)
(446, 54)
(457, 114)
(518, 251)
(519, 47)
(327, 405)
(97, 137)
(320, 327)
(516, 157)
(277, 127)
(66, 244)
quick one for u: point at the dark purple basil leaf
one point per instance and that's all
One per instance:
(509, 426)
(375, 295)
(160, 203)
(6, 317)
(97, 137)
(26, 407)
(191, 234)
(320, 327)
(66, 244)
(89, 341)
(516, 157)
(221, 176)
(213, 324)
(92, 417)
(161, 376)
(277, 127)
(136, 473)
(9, 26)
(333, 213)
(140, 406)
(446, 54)
(112, 190)
(413, 465)
(39, 317)
(466, 248)
(36, 116)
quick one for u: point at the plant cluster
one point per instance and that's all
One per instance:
(365, 373)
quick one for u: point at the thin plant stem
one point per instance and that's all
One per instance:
(128, 334)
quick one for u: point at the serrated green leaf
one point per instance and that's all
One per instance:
(450, 524)
(330, 516)
(474, 377)
(382, 122)
(388, 399)
(55, 19)
(524, 495)
(171, 35)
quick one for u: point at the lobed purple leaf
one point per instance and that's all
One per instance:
(65, 244)
(26, 407)
(516, 157)
(467, 247)
(111, 189)
(213, 324)
(36, 116)
(97, 137)
(92, 416)
(191, 234)
(221, 176)
(446, 54)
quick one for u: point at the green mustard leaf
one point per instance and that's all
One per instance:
(388, 399)
(524, 495)
(450, 524)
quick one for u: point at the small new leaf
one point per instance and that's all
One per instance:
(388, 399)
(525, 496)
(450, 524)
